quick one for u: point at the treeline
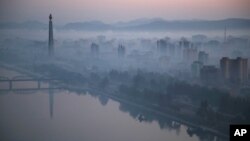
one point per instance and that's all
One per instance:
(151, 85)
(238, 106)
(161, 89)
(56, 72)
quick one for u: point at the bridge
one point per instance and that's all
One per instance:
(24, 79)
(52, 84)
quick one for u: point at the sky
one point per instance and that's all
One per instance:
(65, 11)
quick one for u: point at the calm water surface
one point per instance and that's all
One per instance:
(61, 115)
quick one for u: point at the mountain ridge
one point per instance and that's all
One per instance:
(144, 24)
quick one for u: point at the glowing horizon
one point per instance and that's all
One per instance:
(122, 10)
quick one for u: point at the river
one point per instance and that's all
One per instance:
(63, 115)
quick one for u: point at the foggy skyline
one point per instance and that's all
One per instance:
(122, 10)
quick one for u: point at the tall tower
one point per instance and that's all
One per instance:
(51, 40)
(225, 34)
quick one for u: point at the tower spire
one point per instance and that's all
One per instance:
(225, 34)
(50, 17)
(51, 40)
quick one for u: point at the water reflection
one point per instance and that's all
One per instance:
(103, 99)
(79, 116)
(143, 115)
(82, 111)
(51, 102)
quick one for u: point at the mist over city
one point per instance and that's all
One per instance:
(123, 70)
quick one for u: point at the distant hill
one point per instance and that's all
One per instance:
(156, 24)
(24, 25)
(136, 22)
(162, 25)
(90, 26)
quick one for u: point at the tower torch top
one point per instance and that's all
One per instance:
(50, 17)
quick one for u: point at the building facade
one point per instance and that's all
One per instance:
(203, 57)
(234, 70)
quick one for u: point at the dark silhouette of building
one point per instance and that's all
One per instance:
(225, 34)
(161, 45)
(94, 49)
(164, 46)
(210, 75)
(184, 43)
(234, 70)
(51, 40)
(199, 38)
(203, 57)
(189, 54)
(195, 68)
(121, 50)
